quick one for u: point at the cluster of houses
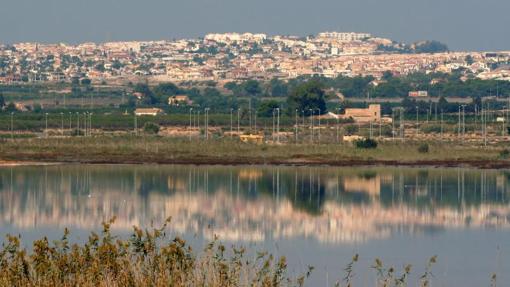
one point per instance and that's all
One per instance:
(233, 56)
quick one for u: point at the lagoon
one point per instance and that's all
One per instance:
(318, 216)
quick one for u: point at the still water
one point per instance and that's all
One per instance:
(318, 216)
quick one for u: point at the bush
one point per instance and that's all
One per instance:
(151, 128)
(366, 143)
(504, 154)
(149, 257)
(431, 129)
(77, 133)
(423, 148)
(351, 129)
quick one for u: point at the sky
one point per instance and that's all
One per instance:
(473, 25)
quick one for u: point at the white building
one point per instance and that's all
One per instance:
(347, 37)
(236, 37)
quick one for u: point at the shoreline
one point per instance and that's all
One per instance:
(166, 151)
(479, 164)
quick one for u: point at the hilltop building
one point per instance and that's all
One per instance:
(370, 114)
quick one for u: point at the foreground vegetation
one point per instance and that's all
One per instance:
(150, 258)
(165, 150)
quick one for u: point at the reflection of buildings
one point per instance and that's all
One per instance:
(371, 186)
(283, 206)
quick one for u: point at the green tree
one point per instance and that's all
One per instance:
(430, 47)
(278, 88)
(11, 107)
(307, 97)
(86, 82)
(230, 86)
(2, 100)
(165, 90)
(443, 104)
(148, 96)
(469, 60)
(387, 75)
(266, 108)
(252, 88)
(151, 128)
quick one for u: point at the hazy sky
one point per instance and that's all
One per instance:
(462, 24)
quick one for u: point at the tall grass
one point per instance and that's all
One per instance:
(154, 149)
(148, 258)
(151, 257)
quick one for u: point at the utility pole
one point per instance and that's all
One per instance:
(198, 124)
(393, 124)
(296, 129)
(380, 128)
(278, 125)
(463, 122)
(78, 123)
(441, 124)
(274, 126)
(12, 125)
(85, 123)
(249, 111)
(206, 124)
(238, 121)
(417, 125)
(46, 130)
(402, 125)
(435, 118)
(136, 125)
(190, 128)
(319, 117)
(90, 123)
(62, 127)
(231, 122)
(311, 124)
(459, 126)
(337, 126)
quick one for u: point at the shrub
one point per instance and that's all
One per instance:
(77, 132)
(504, 154)
(423, 148)
(151, 128)
(351, 129)
(149, 257)
(366, 143)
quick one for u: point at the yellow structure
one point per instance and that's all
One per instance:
(148, 112)
(258, 139)
(371, 114)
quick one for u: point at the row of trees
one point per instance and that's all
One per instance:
(310, 95)
(437, 85)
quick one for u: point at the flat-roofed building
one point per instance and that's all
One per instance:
(370, 114)
(148, 111)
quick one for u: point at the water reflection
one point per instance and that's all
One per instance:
(255, 204)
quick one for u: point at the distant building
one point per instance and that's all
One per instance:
(370, 114)
(418, 94)
(179, 100)
(138, 95)
(236, 37)
(347, 37)
(148, 112)
(258, 139)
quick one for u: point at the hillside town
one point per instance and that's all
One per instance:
(233, 56)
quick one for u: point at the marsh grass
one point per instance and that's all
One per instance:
(155, 149)
(151, 257)
(148, 258)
